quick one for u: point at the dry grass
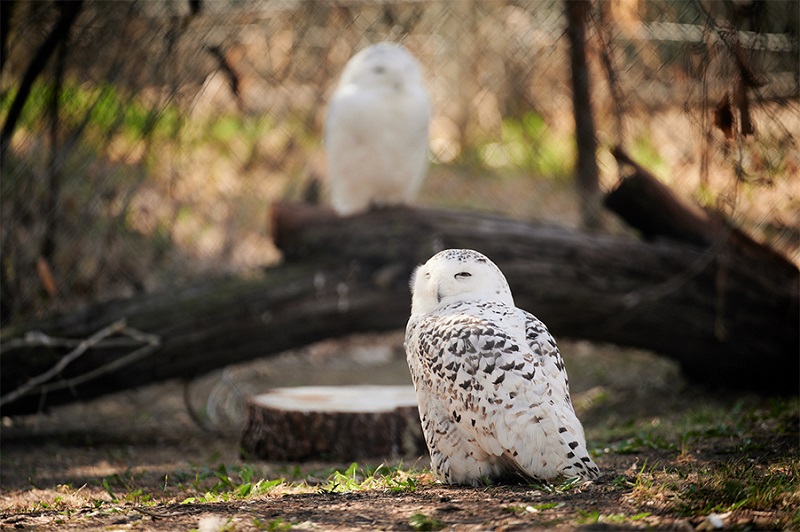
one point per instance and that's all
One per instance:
(673, 456)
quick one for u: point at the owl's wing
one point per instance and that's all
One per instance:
(506, 397)
(544, 349)
(548, 437)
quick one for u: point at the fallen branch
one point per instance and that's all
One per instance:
(350, 275)
(41, 385)
(649, 206)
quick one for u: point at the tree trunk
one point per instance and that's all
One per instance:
(339, 423)
(586, 171)
(728, 320)
(59, 33)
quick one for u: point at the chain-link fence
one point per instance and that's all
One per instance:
(157, 134)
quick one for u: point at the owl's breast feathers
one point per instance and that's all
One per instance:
(472, 344)
(490, 375)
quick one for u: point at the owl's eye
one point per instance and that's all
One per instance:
(378, 69)
(463, 275)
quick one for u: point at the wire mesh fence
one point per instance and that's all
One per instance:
(157, 134)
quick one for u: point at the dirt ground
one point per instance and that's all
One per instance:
(673, 456)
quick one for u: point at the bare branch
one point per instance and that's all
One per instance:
(93, 340)
(153, 343)
(99, 339)
(40, 339)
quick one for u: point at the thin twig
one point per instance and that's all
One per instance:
(602, 23)
(93, 340)
(39, 384)
(114, 365)
(730, 40)
(40, 339)
(154, 515)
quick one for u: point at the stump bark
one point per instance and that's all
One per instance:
(338, 423)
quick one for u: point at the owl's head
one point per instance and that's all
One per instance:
(457, 275)
(385, 64)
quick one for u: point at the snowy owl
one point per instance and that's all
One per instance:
(491, 387)
(376, 130)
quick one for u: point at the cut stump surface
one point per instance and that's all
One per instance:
(339, 423)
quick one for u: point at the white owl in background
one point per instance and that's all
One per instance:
(376, 130)
(491, 386)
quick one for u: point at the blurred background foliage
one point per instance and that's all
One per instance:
(156, 134)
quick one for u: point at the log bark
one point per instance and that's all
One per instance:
(339, 423)
(727, 319)
(651, 208)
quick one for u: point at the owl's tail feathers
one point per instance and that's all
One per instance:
(512, 472)
(578, 461)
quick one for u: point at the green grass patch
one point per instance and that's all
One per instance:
(695, 489)
(358, 478)
(733, 429)
(420, 521)
(740, 484)
(230, 485)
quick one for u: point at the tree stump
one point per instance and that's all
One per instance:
(338, 423)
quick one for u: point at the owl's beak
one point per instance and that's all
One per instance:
(438, 295)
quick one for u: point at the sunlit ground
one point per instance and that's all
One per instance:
(673, 454)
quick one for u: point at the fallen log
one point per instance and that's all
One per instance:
(337, 423)
(728, 320)
(650, 207)
(198, 328)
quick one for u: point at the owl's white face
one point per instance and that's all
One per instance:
(457, 275)
(383, 65)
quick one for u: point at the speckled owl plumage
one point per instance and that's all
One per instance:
(491, 386)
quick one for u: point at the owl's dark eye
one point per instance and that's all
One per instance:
(463, 275)
(378, 69)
